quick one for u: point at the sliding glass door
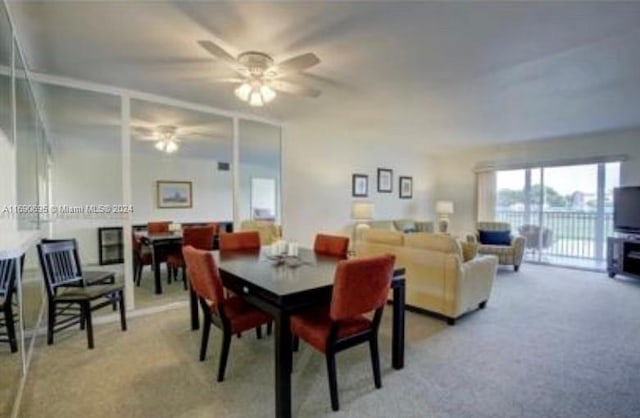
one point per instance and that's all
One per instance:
(565, 212)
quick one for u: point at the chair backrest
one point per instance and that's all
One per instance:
(246, 240)
(7, 278)
(199, 237)
(331, 245)
(361, 285)
(135, 243)
(493, 226)
(203, 274)
(60, 264)
(158, 227)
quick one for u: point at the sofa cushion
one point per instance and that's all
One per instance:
(380, 236)
(433, 242)
(494, 237)
(469, 250)
(384, 225)
(405, 225)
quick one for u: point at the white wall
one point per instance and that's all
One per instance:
(318, 164)
(212, 189)
(456, 179)
(7, 176)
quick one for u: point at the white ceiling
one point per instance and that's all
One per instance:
(437, 75)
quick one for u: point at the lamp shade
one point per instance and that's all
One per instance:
(444, 207)
(362, 211)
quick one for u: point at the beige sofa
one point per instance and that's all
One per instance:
(269, 232)
(437, 278)
(510, 255)
(401, 225)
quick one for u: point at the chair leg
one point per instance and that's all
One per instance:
(375, 360)
(206, 328)
(259, 332)
(224, 355)
(269, 327)
(51, 321)
(296, 343)
(11, 327)
(81, 321)
(333, 380)
(86, 312)
(123, 311)
(184, 277)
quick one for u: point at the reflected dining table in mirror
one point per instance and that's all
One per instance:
(165, 243)
(283, 287)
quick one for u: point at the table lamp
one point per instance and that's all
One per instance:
(361, 212)
(444, 208)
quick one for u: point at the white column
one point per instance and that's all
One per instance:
(235, 174)
(125, 122)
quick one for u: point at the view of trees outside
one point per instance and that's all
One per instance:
(570, 188)
(567, 208)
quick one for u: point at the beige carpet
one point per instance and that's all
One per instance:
(551, 343)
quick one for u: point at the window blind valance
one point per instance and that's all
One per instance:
(515, 165)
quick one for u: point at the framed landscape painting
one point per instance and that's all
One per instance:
(406, 187)
(174, 194)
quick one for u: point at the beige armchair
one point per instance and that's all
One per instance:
(269, 232)
(507, 254)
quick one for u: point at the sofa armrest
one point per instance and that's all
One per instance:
(476, 282)
(472, 239)
(518, 243)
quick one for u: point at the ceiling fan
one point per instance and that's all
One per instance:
(260, 77)
(165, 137)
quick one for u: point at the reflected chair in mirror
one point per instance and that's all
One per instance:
(9, 318)
(360, 287)
(198, 237)
(231, 314)
(70, 300)
(537, 238)
(246, 240)
(141, 258)
(331, 245)
(158, 227)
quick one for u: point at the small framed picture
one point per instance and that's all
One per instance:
(385, 180)
(174, 194)
(360, 185)
(406, 187)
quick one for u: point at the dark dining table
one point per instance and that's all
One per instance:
(283, 288)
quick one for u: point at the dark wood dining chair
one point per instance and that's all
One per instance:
(234, 241)
(231, 314)
(141, 258)
(331, 245)
(360, 286)
(7, 292)
(158, 227)
(198, 237)
(70, 300)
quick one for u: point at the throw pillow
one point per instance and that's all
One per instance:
(405, 226)
(495, 237)
(469, 251)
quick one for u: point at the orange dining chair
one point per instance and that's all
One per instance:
(331, 245)
(246, 240)
(199, 237)
(360, 287)
(231, 314)
(141, 258)
(158, 227)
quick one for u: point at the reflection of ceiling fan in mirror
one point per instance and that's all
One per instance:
(260, 77)
(164, 136)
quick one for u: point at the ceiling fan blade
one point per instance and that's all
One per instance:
(296, 89)
(296, 64)
(229, 80)
(219, 52)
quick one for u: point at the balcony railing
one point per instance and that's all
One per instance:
(574, 233)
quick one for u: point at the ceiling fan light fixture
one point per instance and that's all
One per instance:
(255, 99)
(172, 146)
(243, 92)
(268, 94)
(160, 145)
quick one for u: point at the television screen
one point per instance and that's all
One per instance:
(626, 209)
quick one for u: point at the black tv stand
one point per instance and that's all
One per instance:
(623, 256)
